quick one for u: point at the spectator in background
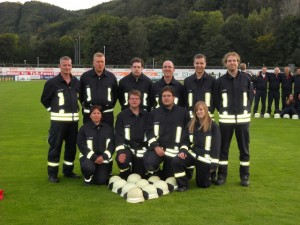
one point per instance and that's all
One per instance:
(274, 90)
(260, 86)
(286, 85)
(60, 98)
(98, 87)
(136, 80)
(96, 143)
(297, 83)
(252, 77)
(290, 107)
(167, 79)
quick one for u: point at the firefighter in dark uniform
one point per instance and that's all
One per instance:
(260, 86)
(96, 144)
(164, 129)
(98, 87)
(167, 79)
(286, 85)
(60, 98)
(199, 86)
(200, 146)
(130, 137)
(296, 79)
(233, 96)
(274, 93)
(136, 80)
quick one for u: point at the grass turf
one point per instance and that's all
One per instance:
(272, 197)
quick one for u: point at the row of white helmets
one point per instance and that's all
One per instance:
(277, 116)
(135, 189)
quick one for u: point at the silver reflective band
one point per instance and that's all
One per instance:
(190, 99)
(176, 101)
(178, 134)
(184, 147)
(53, 164)
(207, 98)
(145, 99)
(108, 110)
(201, 158)
(245, 99)
(107, 142)
(109, 94)
(225, 100)
(245, 163)
(157, 101)
(152, 140)
(86, 111)
(182, 174)
(120, 147)
(48, 109)
(90, 154)
(223, 163)
(64, 116)
(208, 143)
(127, 133)
(171, 152)
(88, 180)
(89, 144)
(68, 163)
(61, 100)
(126, 98)
(214, 160)
(88, 93)
(139, 152)
(107, 153)
(156, 129)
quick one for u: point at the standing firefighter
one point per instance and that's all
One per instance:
(233, 95)
(60, 98)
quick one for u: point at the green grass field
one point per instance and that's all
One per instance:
(273, 196)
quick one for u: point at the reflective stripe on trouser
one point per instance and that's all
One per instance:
(152, 164)
(59, 132)
(98, 172)
(180, 167)
(242, 136)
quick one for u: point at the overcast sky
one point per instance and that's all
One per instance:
(69, 4)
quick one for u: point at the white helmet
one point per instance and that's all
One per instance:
(166, 188)
(142, 183)
(133, 178)
(151, 192)
(256, 115)
(152, 179)
(134, 195)
(295, 117)
(112, 180)
(172, 181)
(286, 116)
(118, 184)
(122, 191)
(267, 115)
(276, 116)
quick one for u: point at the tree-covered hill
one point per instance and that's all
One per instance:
(262, 31)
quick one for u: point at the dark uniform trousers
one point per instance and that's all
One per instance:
(242, 136)
(132, 164)
(273, 95)
(203, 176)
(284, 96)
(98, 172)
(60, 131)
(152, 164)
(260, 95)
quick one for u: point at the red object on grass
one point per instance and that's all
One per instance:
(1, 194)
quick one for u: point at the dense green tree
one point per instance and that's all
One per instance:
(8, 47)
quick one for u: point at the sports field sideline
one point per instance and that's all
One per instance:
(273, 196)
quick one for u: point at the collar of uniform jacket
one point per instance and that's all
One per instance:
(203, 77)
(163, 82)
(103, 74)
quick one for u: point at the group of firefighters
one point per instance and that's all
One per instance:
(164, 128)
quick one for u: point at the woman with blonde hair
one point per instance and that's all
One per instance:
(200, 146)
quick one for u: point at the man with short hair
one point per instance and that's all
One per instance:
(199, 86)
(274, 93)
(167, 79)
(164, 129)
(136, 80)
(130, 137)
(233, 96)
(98, 87)
(286, 85)
(60, 98)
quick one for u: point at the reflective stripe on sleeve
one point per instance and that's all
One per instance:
(152, 140)
(225, 100)
(171, 152)
(89, 155)
(127, 133)
(190, 99)
(156, 130)
(49, 109)
(185, 147)
(126, 98)
(245, 99)
(107, 142)
(145, 99)
(176, 101)
(107, 153)
(157, 102)
(120, 147)
(178, 134)
(214, 160)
